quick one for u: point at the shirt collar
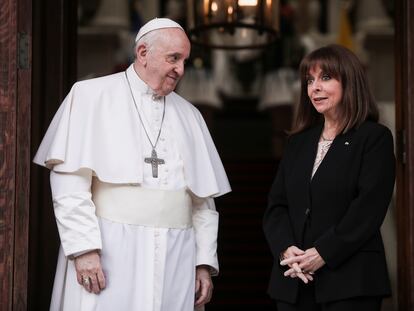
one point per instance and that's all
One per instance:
(138, 84)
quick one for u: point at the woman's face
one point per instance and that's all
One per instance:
(324, 92)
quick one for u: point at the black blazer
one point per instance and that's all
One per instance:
(346, 202)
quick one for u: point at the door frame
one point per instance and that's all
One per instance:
(404, 99)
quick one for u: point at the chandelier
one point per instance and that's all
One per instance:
(233, 24)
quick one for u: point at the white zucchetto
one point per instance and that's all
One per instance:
(156, 23)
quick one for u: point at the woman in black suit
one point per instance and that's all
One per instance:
(331, 193)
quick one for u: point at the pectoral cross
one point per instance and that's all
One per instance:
(154, 161)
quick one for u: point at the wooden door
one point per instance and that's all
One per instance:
(54, 71)
(15, 89)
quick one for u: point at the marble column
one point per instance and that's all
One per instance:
(112, 13)
(371, 16)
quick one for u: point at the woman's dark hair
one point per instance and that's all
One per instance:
(357, 103)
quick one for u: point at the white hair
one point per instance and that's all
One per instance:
(150, 38)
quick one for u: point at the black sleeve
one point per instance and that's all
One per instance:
(276, 222)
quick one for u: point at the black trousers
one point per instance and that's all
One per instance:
(306, 302)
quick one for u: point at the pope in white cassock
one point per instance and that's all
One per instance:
(133, 174)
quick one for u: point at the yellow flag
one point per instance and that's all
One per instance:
(345, 31)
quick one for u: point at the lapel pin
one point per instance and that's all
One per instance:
(347, 143)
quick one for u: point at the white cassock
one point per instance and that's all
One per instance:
(159, 229)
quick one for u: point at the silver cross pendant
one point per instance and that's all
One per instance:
(154, 161)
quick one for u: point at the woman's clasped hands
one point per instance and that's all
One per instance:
(302, 264)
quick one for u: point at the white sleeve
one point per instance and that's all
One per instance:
(75, 211)
(205, 224)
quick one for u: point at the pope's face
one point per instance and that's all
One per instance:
(165, 61)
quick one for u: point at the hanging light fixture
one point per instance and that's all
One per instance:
(233, 24)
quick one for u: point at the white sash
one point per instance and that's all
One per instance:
(140, 206)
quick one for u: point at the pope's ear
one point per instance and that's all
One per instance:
(141, 52)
